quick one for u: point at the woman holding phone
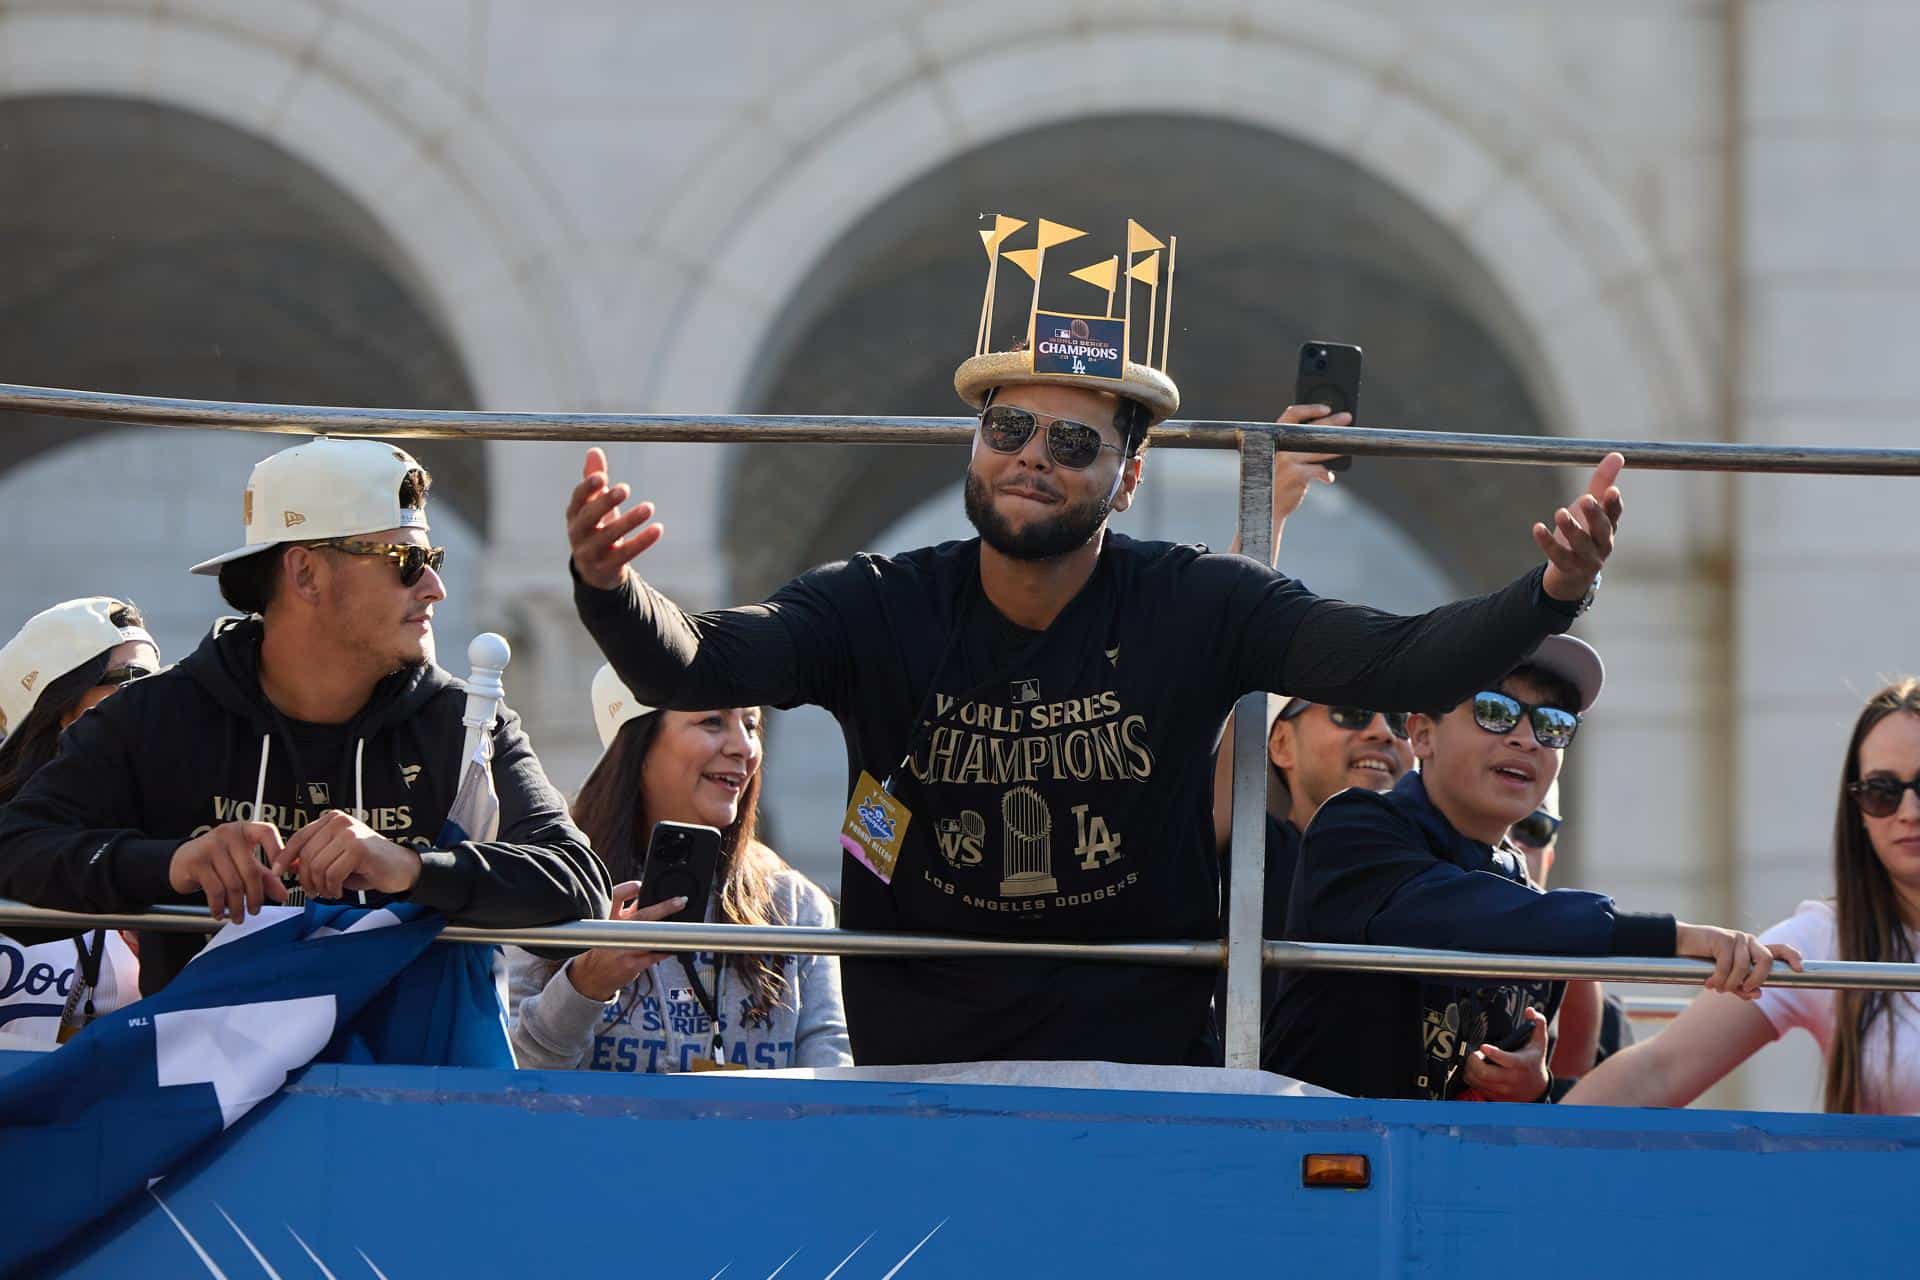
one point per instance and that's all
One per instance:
(611, 1010)
(1870, 1039)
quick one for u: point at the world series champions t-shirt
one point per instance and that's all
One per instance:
(1059, 782)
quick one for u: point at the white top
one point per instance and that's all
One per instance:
(35, 982)
(1890, 1059)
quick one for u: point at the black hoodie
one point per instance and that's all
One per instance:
(172, 756)
(1387, 868)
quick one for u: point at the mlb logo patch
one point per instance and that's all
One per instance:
(1024, 691)
(319, 794)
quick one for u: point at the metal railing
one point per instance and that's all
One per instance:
(633, 935)
(1256, 443)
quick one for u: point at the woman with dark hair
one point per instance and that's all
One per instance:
(62, 663)
(1871, 1039)
(612, 1010)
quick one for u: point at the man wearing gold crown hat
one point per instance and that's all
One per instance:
(1030, 716)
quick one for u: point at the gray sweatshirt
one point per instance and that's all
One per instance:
(657, 1024)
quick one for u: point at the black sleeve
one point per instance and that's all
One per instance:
(70, 839)
(1292, 641)
(539, 870)
(791, 649)
(1369, 877)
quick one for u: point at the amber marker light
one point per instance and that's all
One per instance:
(1349, 1172)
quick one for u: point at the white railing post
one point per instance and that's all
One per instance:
(1248, 853)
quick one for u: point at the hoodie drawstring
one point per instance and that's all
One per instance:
(260, 784)
(359, 798)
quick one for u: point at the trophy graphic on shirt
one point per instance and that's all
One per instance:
(1026, 844)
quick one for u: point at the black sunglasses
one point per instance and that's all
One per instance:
(410, 558)
(1500, 712)
(1880, 797)
(123, 675)
(1007, 428)
(1536, 830)
(1354, 718)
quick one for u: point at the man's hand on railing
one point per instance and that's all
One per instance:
(1741, 962)
(597, 530)
(603, 973)
(1493, 1074)
(224, 864)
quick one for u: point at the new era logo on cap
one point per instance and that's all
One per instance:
(325, 488)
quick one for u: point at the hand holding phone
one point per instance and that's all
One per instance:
(1329, 374)
(682, 859)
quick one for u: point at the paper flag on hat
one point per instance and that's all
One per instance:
(1139, 239)
(1101, 275)
(1028, 260)
(1003, 226)
(1147, 270)
(1050, 234)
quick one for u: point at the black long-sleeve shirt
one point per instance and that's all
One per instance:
(1060, 781)
(175, 755)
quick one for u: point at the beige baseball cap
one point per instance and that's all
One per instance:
(613, 704)
(325, 488)
(54, 642)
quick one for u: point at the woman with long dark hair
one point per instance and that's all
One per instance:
(634, 1011)
(62, 663)
(1871, 1039)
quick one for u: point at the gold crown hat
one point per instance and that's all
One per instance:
(1144, 381)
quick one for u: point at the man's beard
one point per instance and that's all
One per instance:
(1072, 529)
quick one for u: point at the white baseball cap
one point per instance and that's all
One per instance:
(325, 488)
(1576, 662)
(613, 704)
(54, 642)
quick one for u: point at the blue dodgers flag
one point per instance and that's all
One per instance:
(141, 1089)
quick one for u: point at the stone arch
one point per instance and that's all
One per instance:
(1308, 248)
(239, 273)
(1550, 261)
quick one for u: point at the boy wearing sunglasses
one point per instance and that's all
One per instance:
(1429, 864)
(1031, 716)
(314, 744)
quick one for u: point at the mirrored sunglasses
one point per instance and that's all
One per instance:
(1500, 712)
(1357, 718)
(1074, 445)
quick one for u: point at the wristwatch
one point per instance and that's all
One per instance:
(1586, 601)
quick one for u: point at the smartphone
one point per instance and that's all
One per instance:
(682, 859)
(1330, 375)
(1520, 1037)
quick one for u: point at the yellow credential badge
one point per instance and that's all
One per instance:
(875, 827)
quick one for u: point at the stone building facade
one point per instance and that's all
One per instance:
(1643, 220)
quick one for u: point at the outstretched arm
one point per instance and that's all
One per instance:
(1334, 652)
(1714, 1035)
(777, 653)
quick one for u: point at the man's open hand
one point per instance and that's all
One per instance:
(1581, 538)
(602, 537)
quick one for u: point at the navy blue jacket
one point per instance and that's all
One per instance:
(1390, 870)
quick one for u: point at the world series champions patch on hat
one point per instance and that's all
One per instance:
(1080, 347)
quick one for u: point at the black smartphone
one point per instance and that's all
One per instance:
(682, 859)
(1330, 375)
(1520, 1037)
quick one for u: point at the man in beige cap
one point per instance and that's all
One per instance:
(315, 740)
(1031, 715)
